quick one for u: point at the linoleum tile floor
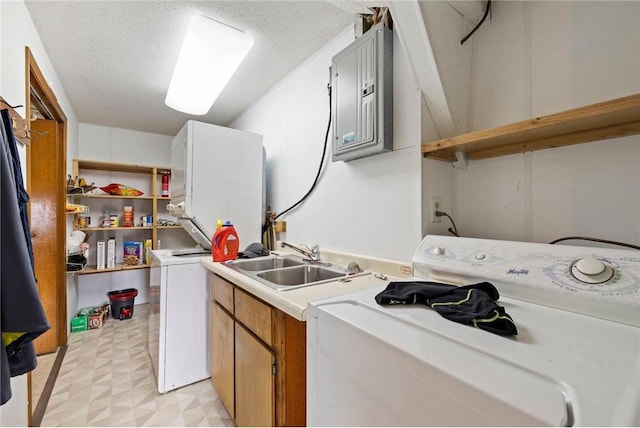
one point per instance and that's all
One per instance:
(107, 379)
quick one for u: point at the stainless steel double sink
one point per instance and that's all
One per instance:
(290, 272)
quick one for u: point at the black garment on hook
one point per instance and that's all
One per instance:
(471, 304)
(23, 196)
(22, 317)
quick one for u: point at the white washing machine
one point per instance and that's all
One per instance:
(178, 318)
(575, 360)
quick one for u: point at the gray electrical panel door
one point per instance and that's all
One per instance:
(362, 93)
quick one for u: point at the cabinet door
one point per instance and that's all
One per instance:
(222, 359)
(255, 386)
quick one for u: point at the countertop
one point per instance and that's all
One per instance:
(294, 302)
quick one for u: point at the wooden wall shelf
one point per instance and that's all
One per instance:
(150, 200)
(105, 196)
(610, 119)
(119, 167)
(119, 267)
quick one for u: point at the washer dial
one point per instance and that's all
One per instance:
(591, 270)
(438, 251)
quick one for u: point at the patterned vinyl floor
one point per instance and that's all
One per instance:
(106, 379)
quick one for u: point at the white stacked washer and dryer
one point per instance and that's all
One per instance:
(575, 360)
(216, 173)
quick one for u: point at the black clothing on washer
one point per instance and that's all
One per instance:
(471, 304)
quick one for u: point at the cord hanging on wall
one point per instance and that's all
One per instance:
(486, 12)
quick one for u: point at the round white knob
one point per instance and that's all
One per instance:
(590, 266)
(438, 251)
(480, 256)
(591, 270)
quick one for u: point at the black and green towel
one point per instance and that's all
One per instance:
(470, 304)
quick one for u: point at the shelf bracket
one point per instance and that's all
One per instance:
(463, 160)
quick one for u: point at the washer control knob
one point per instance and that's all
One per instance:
(438, 251)
(480, 256)
(590, 266)
(591, 270)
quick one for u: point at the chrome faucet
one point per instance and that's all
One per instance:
(312, 254)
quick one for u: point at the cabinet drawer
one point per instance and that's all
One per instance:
(254, 314)
(222, 292)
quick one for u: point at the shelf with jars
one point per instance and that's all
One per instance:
(132, 215)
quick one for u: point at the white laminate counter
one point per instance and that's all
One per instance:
(294, 302)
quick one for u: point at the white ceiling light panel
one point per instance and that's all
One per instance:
(210, 54)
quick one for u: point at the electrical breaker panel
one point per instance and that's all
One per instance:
(362, 96)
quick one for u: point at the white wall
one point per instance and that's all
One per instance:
(537, 58)
(16, 32)
(14, 413)
(108, 144)
(371, 205)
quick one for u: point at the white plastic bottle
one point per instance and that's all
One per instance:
(111, 253)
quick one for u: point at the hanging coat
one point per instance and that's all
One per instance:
(23, 196)
(22, 317)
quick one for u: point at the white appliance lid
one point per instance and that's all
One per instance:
(553, 372)
(495, 391)
(196, 231)
(165, 257)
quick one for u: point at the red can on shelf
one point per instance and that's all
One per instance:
(165, 184)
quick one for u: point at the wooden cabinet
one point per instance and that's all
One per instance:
(144, 178)
(258, 358)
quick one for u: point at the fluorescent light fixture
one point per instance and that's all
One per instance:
(210, 54)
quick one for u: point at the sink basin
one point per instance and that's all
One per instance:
(266, 263)
(289, 272)
(300, 275)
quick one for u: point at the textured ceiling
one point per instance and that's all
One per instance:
(115, 58)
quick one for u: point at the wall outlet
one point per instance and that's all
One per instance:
(435, 206)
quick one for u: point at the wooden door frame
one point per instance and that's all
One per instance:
(36, 84)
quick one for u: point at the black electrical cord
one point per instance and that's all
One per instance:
(315, 181)
(486, 12)
(604, 241)
(453, 230)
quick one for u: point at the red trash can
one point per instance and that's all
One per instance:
(122, 303)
